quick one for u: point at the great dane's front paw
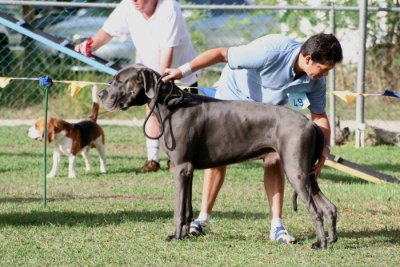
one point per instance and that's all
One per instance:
(174, 237)
(319, 245)
(170, 238)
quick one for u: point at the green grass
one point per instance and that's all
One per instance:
(122, 219)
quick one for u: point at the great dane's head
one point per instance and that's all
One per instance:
(131, 86)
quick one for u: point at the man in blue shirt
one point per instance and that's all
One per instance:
(272, 69)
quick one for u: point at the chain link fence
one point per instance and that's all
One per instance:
(210, 26)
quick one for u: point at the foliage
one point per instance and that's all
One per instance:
(384, 52)
(292, 19)
(383, 40)
(383, 35)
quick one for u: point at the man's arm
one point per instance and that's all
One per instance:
(100, 38)
(205, 59)
(323, 122)
(166, 58)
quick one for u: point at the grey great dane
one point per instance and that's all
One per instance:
(199, 132)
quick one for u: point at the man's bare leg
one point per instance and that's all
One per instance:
(274, 184)
(213, 180)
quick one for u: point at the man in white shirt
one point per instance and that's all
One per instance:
(161, 38)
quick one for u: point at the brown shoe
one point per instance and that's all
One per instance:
(171, 166)
(149, 166)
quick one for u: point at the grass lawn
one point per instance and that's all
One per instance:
(122, 219)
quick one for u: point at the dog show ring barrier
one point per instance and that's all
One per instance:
(359, 171)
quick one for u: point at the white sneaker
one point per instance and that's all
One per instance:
(198, 227)
(280, 235)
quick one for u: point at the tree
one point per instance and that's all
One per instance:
(383, 33)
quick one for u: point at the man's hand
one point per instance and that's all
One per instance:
(85, 48)
(172, 74)
(317, 169)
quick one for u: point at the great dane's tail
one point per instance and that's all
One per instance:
(319, 147)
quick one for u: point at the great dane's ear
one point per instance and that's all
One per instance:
(149, 82)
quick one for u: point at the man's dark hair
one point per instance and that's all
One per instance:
(323, 48)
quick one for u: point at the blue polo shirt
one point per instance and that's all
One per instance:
(263, 71)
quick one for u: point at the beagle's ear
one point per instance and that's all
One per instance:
(51, 130)
(54, 126)
(149, 82)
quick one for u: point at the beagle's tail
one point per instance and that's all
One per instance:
(95, 106)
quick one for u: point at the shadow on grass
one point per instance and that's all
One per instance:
(378, 236)
(342, 178)
(392, 235)
(72, 218)
(70, 197)
(21, 154)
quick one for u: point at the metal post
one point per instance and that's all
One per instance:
(45, 147)
(361, 74)
(332, 83)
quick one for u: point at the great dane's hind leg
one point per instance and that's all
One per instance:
(331, 218)
(183, 212)
(329, 210)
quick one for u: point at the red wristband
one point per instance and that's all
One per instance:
(88, 47)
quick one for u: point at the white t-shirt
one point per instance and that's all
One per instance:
(166, 28)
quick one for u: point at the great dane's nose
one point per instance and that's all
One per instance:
(102, 94)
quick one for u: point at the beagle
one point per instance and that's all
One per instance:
(71, 139)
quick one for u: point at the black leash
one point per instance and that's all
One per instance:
(155, 106)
